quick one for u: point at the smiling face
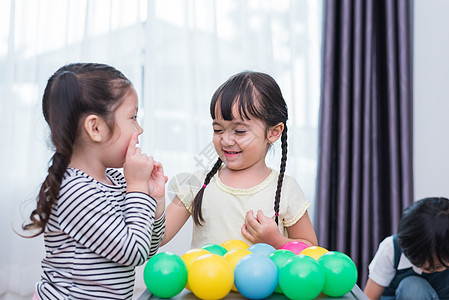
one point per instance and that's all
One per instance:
(249, 114)
(241, 144)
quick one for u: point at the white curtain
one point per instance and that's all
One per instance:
(176, 52)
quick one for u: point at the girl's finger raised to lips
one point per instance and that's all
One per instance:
(132, 144)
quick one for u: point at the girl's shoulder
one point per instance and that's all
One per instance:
(78, 184)
(74, 182)
(387, 245)
(290, 182)
(74, 176)
(287, 178)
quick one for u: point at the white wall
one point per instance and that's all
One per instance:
(431, 98)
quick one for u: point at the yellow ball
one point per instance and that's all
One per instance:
(234, 244)
(210, 277)
(314, 252)
(190, 256)
(233, 257)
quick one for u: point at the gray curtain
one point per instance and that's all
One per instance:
(365, 171)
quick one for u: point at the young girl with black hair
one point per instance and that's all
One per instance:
(414, 263)
(241, 198)
(98, 223)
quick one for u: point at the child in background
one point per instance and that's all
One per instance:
(241, 198)
(413, 264)
(98, 224)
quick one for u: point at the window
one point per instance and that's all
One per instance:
(176, 53)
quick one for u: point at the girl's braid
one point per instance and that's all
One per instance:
(48, 193)
(197, 202)
(63, 140)
(277, 198)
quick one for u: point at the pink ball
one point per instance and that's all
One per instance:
(295, 246)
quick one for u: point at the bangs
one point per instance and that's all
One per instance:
(237, 93)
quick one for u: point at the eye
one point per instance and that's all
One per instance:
(240, 131)
(134, 117)
(217, 130)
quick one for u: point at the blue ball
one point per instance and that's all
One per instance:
(256, 276)
(261, 248)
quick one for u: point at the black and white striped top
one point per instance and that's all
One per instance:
(97, 234)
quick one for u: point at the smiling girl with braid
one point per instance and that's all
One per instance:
(241, 198)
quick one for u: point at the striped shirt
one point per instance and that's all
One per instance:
(95, 237)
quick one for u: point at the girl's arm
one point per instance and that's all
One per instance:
(176, 216)
(143, 174)
(303, 231)
(372, 290)
(157, 234)
(263, 229)
(156, 186)
(85, 213)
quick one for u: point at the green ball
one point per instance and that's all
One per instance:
(280, 257)
(165, 275)
(340, 273)
(301, 278)
(215, 249)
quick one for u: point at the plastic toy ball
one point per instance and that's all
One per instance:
(314, 252)
(233, 257)
(234, 244)
(210, 277)
(280, 257)
(301, 278)
(256, 276)
(261, 248)
(190, 256)
(165, 275)
(295, 246)
(340, 273)
(215, 249)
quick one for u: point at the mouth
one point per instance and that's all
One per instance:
(231, 153)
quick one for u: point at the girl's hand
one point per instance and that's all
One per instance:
(157, 181)
(138, 168)
(262, 229)
(156, 186)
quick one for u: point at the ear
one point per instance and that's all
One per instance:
(95, 128)
(275, 132)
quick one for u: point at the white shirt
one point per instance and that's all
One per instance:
(381, 268)
(224, 208)
(96, 235)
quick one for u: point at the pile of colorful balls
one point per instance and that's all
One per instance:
(212, 271)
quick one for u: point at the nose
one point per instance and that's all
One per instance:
(139, 128)
(227, 139)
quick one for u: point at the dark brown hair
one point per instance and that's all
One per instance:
(256, 95)
(73, 92)
(423, 232)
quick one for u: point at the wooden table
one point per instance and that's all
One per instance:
(355, 293)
